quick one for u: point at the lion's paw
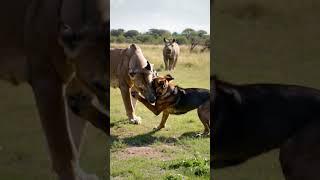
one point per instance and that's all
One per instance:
(135, 120)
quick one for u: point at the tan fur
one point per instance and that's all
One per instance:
(33, 49)
(128, 71)
(171, 51)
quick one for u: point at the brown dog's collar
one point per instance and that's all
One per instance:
(172, 92)
(176, 93)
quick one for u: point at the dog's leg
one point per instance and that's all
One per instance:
(164, 118)
(299, 156)
(48, 91)
(155, 109)
(126, 97)
(204, 116)
(171, 64)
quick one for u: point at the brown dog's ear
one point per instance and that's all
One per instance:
(174, 40)
(169, 77)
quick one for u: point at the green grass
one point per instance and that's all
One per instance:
(139, 153)
(265, 41)
(23, 153)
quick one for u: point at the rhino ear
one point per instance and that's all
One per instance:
(164, 40)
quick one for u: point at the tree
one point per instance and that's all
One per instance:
(201, 33)
(116, 32)
(206, 44)
(131, 33)
(175, 34)
(188, 32)
(192, 36)
(113, 39)
(196, 37)
(159, 32)
(121, 39)
(188, 37)
(181, 39)
(145, 38)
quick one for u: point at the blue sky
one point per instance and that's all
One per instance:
(172, 15)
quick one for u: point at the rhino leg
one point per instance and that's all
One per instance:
(175, 63)
(171, 63)
(166, 63)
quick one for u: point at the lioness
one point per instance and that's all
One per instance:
(51, 44)
(171, 51)
(130, 69)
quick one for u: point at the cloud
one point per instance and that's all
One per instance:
(173, 15)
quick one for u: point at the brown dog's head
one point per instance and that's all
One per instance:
(161, 84)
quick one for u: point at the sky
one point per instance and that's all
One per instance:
(172, 15)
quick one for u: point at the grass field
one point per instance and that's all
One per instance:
(265, 41)
(173, 152)
(23, 153)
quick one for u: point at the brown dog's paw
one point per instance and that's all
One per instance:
(204, 134)
(157, 128)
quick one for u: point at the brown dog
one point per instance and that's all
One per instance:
(172, 99)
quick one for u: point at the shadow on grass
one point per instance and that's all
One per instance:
(149, 138)
(119, 123)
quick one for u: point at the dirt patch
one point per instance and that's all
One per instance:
(146, 152)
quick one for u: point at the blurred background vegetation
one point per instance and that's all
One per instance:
(192, 38)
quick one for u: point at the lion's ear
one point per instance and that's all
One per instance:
(133, 46)
(148, 66)
(132, 73)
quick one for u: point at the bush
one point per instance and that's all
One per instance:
(155, 36)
